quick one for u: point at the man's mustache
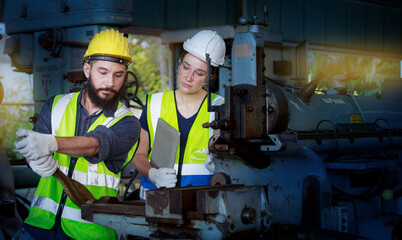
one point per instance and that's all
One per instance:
(106, 89)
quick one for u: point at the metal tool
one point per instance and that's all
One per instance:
(77, 192)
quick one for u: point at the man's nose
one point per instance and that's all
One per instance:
(109, 80)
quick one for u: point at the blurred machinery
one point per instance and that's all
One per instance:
(289, 163)
(54, 54)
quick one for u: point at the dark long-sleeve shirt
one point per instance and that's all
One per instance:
(114, 142)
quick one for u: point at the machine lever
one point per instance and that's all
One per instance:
(77, 192)
(272, 148)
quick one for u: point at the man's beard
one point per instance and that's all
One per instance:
(105, 104)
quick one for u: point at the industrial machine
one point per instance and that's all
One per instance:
(289, 163)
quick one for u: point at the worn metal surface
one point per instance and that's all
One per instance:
(208, 212)
(173, 203)
(127, 218)
(220, 179)
(136, 208)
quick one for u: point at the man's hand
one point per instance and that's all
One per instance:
(33, 145)
(163, 177)
(45, 167)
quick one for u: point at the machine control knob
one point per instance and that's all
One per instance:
(240, 92)
(248, 215)
(221, 124)
(243, 20)
(220, 179)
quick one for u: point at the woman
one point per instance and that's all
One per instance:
(186, 110)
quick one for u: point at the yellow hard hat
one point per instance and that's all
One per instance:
(109, 45)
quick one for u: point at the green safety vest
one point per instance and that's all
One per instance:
(163, 105)
(96, 177)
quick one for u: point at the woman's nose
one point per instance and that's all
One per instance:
(190, 75)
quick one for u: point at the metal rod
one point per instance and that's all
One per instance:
(208, 59)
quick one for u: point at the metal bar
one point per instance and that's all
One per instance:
(209, 107)
(383, 133)
(72, 43)
(132, 209)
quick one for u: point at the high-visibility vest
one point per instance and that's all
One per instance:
(96, 177)
(194, 172)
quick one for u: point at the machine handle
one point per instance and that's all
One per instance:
(77, 192)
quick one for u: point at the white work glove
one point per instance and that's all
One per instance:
(45, 167)
(209, 162)
(33, 145)
(163, 177)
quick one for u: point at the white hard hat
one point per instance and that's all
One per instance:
(207, 41)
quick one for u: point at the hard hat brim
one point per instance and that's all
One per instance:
(110, 59)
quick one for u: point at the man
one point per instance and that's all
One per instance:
(89, 136)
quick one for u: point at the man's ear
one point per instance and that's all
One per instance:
(87, 69)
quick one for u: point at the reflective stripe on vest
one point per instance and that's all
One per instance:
(164, 105)
(52, 206)
(96, 177)
(58, 111)
(91, 178)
